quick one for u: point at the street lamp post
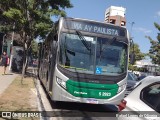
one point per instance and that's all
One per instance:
(131, 29)
(13, 34)
(132, 54)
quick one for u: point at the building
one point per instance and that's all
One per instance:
(149, 68)
(1, 42)
(115, 15)
(5, 44)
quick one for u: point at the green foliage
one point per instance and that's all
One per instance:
(158, 69)
(30, 19)
(34, 46)
(13, 13)
(123, 60)
(154, 51)
(132, 68)
(135, 68)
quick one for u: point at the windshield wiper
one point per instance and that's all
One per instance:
(84, 41)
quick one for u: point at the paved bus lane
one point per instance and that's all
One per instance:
(70, 111)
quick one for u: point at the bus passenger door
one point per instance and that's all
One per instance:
(40, 57)
(45, 67)
(52, 62)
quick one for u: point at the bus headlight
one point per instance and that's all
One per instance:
(61, 82)
(121, 88)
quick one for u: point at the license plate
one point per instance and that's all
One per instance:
(92, 101)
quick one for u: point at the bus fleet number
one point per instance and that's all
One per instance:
(104, 94)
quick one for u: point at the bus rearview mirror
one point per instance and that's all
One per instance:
(132, 58)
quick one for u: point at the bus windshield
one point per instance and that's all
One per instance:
(92, 55)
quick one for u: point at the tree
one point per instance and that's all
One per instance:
(154, 51)
(138, 54)
(34, 48)
(31, 19)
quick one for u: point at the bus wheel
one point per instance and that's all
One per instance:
(55, 104)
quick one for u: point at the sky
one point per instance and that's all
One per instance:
(142, 12)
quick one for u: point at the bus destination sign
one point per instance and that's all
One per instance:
(95, 28)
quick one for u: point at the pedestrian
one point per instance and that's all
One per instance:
(4, 61)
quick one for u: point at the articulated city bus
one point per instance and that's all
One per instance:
(85, 61)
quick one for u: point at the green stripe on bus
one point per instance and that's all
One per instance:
(92, 85)
(91, 90)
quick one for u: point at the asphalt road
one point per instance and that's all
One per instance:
(70, 111)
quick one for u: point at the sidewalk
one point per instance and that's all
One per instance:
(5, 80)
